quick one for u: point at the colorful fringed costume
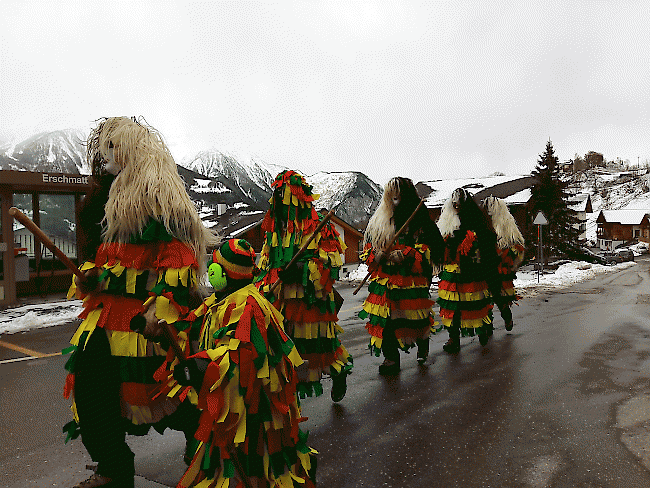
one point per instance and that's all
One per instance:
(464, 292)
(250, 412)
(399, 292)
(509, 259)
(306, 296)
(151, 238)
(469, 273)
(510, 248)
(154, 264)
(398, 308)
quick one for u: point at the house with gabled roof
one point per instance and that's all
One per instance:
(581, 206)
(645, 229)
(514, 190)
(614, 227)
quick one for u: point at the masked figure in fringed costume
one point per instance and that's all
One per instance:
(469, 271)
(151, 245)
(398, 307)
(306, 296)
(246, 378)
(510, 248)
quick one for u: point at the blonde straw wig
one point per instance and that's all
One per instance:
(503, 222)
(148, 185)
(381, 226)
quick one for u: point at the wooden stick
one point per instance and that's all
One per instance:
(329, 215)
(40, 235)
(390, 244)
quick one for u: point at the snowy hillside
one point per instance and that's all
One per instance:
(611, 190)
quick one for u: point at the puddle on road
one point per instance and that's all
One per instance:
(543, 470)
(633, 418)
(633, 414)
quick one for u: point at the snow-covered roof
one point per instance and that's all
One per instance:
(578, 203)
(626, 216)
(442, 189)
(520, 197)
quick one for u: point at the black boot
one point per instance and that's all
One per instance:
(97, 480)
(390, 350)
(452, 346)
(506, 314)
(423, 350)
(389, 368)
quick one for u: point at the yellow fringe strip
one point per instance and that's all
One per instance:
(466, 323)
(314, 330)
(376, 341)
(383, 311)
(89, 324)
(384, 281)
(463, 297)
(452, 268)
(73, 408)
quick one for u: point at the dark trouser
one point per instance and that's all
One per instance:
(501, 301)
(389, 345)
(454, 328)
(504, 309)
(97, 395)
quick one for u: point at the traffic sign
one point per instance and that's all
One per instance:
(540, 219)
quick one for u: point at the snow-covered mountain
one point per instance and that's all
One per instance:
(215, 180)
(354, 194)
(60, 151)
(229, 180)
(234, 180)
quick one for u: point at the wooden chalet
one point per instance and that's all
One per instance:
(581, 206)
(618, 226)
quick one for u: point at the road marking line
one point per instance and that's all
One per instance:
(24, 350)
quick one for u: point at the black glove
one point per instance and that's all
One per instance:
(91, 282)
(292, 274)
(138, 323)
(190, 372)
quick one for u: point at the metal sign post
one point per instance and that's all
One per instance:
(540, 220)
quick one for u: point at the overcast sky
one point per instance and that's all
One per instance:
(428, 90)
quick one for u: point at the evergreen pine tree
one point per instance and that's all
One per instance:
(549, 195)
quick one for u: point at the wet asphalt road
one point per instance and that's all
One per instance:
(561, 401)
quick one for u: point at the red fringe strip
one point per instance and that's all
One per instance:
(467, 314)
(298, 311)
(323, 360)
(138, 393)
(172, 254)
(117, 311)
(375, 330)
(69, 385)
(472, 287)
(412, 333)
(404, 304)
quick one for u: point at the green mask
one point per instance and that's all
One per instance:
(217, 277)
